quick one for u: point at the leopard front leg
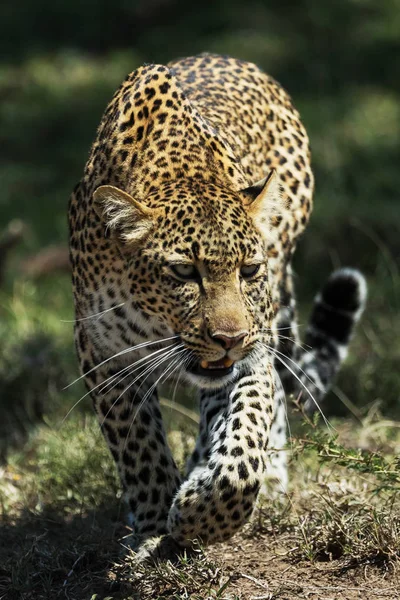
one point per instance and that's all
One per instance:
(221, 490)
(212, 404)
(132, 425)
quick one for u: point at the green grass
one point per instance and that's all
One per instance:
(345, 508)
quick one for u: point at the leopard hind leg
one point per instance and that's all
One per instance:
(308, 370)
(336, 310)
(276, 477)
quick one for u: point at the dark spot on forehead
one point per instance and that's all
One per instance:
(195, 249)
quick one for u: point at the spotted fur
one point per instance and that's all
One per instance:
(203, 168)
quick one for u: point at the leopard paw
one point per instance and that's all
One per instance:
(159, 549)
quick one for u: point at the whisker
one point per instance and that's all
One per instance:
(121, 353)
(295, 341)
(165, 372)
(284, 395)
(150, 391)
(273, 352)
(286, 407)
(300, 369)
(328, 425)
(112, 377)
(133, 367)
(99, 314)
(177, 379)
(185, 362)
(270, 330)
(304, 347)
(147, 371)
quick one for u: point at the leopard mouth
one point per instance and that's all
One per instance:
(214, 369)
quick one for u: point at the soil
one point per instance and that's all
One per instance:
(50, 558)
(257, 573)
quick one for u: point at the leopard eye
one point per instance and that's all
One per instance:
(249, 271)
(185, 271)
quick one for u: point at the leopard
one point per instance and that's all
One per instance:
(183, 227)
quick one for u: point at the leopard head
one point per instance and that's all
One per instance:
(196, 259)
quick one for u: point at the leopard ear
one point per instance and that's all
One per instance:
(264, 200)
(126, 219)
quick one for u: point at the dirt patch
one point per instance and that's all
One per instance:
(256, 572)
(49, 558)
(334, 536)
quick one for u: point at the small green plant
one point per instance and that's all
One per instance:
(384, 469)
(195, 577)
(346, 508)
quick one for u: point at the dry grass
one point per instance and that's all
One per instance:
(63, 535)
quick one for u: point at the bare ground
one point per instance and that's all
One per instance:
(257, 573)
(84, 558)
(336, 535)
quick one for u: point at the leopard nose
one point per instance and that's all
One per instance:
(228, 341)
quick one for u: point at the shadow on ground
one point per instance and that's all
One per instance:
(48, 555)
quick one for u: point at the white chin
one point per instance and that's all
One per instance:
(211, 383)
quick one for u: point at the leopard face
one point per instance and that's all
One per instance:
(196, 262)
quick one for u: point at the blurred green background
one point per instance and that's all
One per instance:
(60, 64)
